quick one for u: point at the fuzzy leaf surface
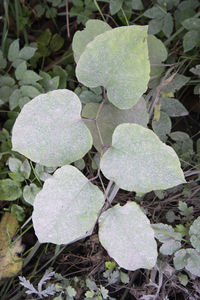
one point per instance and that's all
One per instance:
(145, 163)
(67, 207)
(49, 129)
(195, 234)
(82, 38)
(127, 230)
(117, 60)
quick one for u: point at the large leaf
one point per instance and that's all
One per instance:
(110, 117)
(49, 129)
(117, 60)
(125, 232)
(67, 207)
(82, 38)
(145, 163)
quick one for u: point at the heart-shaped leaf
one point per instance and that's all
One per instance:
(145, 163)
(127, 230)
(82, 38)
(67, 207)
(117, 60)
(49, 129)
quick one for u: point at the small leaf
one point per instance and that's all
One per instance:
(124, 277)
(191, 24)
(127, 230)
(45, 37)
(188, 258)
(183, 279)
(82, 38)
(29, 77)
(18, 211)
(13, 52)
(20, 70)
(140, 170)
(176, 84)
(137, 5)
(154, 12)
(27, 52)
(56, 42)
(49, 129)
(163, 126)
(77, 203)
(117, 60)
(196, 70)
(29, 91)
(30, 192)
(190, 40)
(115, 6)
(9, 190)
(155, 26)
(173, 107)
(168, 25)
(195, 234)
(157, 50)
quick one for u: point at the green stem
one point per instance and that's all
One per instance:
(99, 9)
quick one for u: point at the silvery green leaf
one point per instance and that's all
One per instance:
(30, 192)
(14, 164)
(191, 24)
(20, 70)
(190, 40)
(82, 38)
(196, 70)
(155, 12)
(6, 80)
(173, 107)
(77, 202)
(27, 52)
(110, 117)
(165, 233)
(29, 91)
(49, 129)
(155, 26)
(124, 277)
(13, 51)
(176, 84)
(157, 50)
(29, 77)
(169, 247)
(189, 259)
(163, 126)
(137, 5)
(126, 229)
(80, 164)
(145, 163)
(44, 172)
(168, 25)
(117, 60)
(194, 233)
(25, 169)
(115, 6)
